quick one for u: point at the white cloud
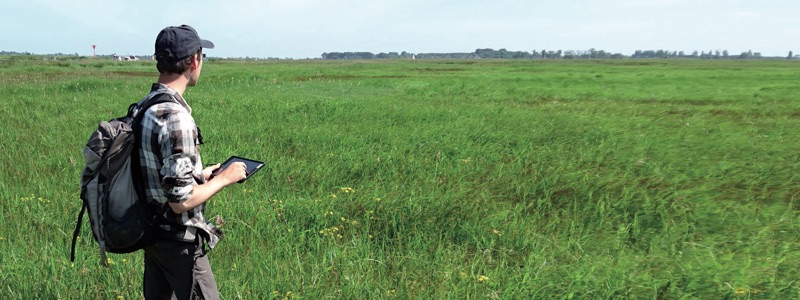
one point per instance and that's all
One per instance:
(654, 2)
(116, 16)
(748, 15)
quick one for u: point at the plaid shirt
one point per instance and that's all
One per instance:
(171, 163)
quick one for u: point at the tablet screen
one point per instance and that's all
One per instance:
(252, 165)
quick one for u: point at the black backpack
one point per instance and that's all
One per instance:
(111, 185)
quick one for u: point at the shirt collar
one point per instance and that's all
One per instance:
(161, 88)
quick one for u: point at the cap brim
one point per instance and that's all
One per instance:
(206, 44)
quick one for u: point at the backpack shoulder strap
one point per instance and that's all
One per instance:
(146, 104)
(77, 232)
(136, 164)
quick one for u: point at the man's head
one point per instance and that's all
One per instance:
(177, 47)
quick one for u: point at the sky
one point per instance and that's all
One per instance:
(307, 28)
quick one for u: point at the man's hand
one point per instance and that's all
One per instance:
(201, 193)
(209, 170)
(232, 174)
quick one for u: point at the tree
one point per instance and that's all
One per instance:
(746, 55)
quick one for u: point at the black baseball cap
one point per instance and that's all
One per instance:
(176, 43)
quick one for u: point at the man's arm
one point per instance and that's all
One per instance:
(181, 162)
(203, 192)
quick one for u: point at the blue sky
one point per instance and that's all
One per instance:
(307, 28)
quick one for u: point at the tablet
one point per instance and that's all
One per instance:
(252, 166)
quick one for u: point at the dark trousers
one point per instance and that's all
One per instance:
(178, 270)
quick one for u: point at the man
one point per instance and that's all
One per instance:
(176, 265)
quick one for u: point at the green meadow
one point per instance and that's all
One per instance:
(462, 179)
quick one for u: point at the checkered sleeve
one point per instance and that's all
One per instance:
(181, 157)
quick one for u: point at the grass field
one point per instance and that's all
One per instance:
(608, 179)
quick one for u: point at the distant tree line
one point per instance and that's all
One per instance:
(7, 53)
(485, 53)
(592, 53)
(711, 54)
(365, 55)
(10, 53)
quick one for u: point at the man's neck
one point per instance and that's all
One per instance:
(177, 82)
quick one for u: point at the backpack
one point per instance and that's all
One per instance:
(122, 221)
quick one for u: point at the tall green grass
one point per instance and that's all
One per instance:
(664, 179)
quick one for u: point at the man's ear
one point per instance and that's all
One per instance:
(195, 61)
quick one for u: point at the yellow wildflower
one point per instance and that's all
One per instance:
(483, 278)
